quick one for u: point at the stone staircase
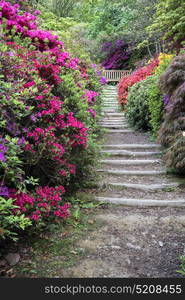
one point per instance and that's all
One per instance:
(132, 170)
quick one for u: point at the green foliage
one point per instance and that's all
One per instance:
(68, 30)
(99, 21)
(126, 20)
(110, 17)
(10, 223)
(137, 111)
(48, 123)
(64, 8)
(182, 266)
(145, 101)
(170, 21)
(156, 106)
(171, 134)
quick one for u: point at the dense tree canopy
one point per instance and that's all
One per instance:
(169, 20)
(148, 26)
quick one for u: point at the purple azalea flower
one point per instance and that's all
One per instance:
(3, 150)
(103, 80)
(117, 55)
(2, 157)
(166, 99)
(4, 191)
(33, 118)
(10, 53)
(12, 128)
(21, 141)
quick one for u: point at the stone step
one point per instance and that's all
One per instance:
(107, 122)
(120, 125)
(144, 187)
(110, 103)
(114, 126)
(119, 131)
(110, 99)
(111, 107)
(110, 110)
(113, 120)
(142, 202)
(131, 173)
(110, 93)
(107, 96)
(130, 162)
(115, 114)
(129, 153)
(133, 146)
(110, 90)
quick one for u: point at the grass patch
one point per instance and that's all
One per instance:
(182, 266)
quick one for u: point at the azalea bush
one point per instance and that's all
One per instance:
(136, 109)
(116, 55)
(48, 122)
(145, 105)
(128, 81)
(171, 134)
(156, 103)
(68, 30)
(10, 223)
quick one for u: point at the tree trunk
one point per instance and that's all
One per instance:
(148, 48)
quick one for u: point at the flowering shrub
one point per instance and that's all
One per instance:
(137, 111)
(171, 133)
(156, 100)
(145, 106)
(117, 55)
(130, 80)
(46, 202)
(49, 103)
(9, 222)
(164, 60)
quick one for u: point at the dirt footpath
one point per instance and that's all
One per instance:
(133, 243)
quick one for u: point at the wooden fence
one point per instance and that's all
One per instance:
(115, 75)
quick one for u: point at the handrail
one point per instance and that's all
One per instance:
(115, 75)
